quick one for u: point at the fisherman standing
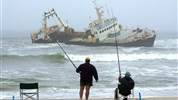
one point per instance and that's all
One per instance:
(87, 71)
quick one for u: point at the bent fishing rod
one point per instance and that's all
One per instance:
(117, 49)
(65, 54)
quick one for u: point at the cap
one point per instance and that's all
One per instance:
(87, 58)
(127, 74)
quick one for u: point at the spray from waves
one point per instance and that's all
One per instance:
(123, 57)
(23, 48)
(166, 43)
(42, 46)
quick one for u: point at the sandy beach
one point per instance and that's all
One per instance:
(149, 98)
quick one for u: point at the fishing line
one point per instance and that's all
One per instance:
(66, 54)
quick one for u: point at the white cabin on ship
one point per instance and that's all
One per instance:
(101, 28)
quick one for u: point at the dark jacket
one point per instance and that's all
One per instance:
(126, 84)
(87, 71)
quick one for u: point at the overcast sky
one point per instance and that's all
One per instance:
(25, 16)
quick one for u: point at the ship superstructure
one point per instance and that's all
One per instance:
(101, 28)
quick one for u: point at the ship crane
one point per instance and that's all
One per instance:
(46, 31)
(47, 15)
(67, 29)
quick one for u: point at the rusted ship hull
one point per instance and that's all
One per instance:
(60, 36)
(145, 43)
(43, 41)
(65, 37)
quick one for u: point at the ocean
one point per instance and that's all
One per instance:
(154, 69)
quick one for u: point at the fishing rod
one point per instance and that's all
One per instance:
(117, 53)
(66, 54)
(117, 48)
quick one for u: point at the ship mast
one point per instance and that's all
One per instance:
(99, 12)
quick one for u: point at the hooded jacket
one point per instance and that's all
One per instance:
(126, 84)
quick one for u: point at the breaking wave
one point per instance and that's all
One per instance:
(57, 55)
(100, 57)
(124, 57)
